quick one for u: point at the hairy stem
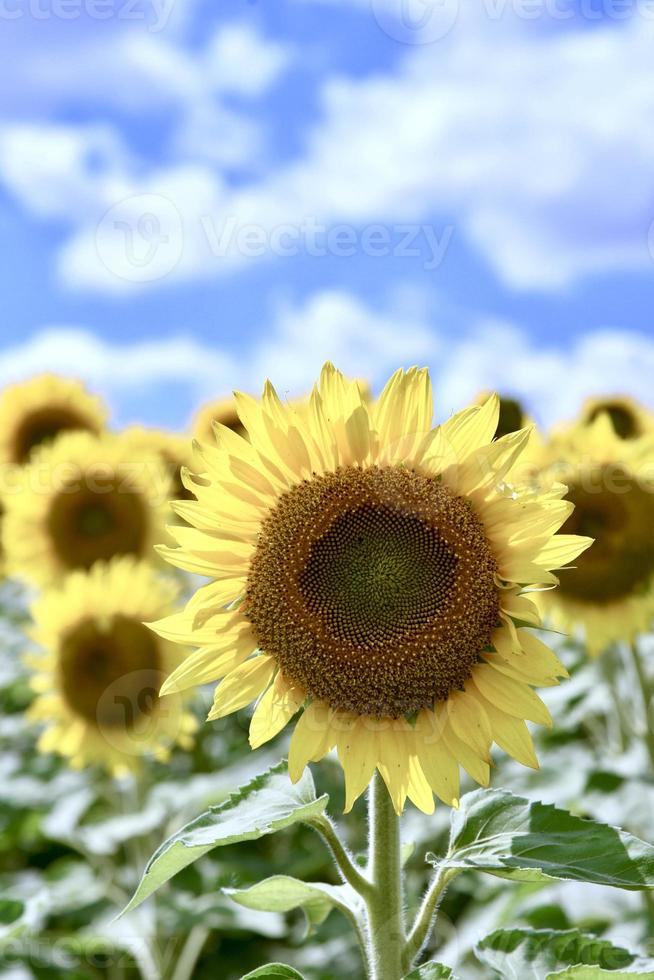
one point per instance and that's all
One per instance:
(385, 901)
(646, 691)
(424, 921)
(342, 856)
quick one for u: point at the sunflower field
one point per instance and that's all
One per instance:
(326, 688)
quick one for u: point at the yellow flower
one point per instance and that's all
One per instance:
(628, 417)
(37, 411)
(98, 677)
(175, 451)
(373, 568)
(81, 500)
(609, 594)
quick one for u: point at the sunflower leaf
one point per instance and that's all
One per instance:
(597, 973)
(269, 803)
(534, 954)
(512, 837)
(273, 971)
(282, 893)
(431, 971)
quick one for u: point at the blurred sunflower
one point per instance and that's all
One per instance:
(512, 414)
(223, 411)
(513, 417)
(176, 451)
(98, 678)
(609, 594)
(629, 418)
(374, 567)
(84, 499)
(35, 412)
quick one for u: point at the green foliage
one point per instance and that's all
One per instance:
(273, 971)
(267, 804)
(283, 894)
(512, 837)
(431, 971)
(537, 953)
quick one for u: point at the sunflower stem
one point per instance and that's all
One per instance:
(607, 665)
(385, 908)
(646, 691)
(426, 917)
(342, 857)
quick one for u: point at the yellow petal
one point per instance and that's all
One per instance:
(275, 709)
(312, 739)
(242, 685)
(510, 695)
(357, 751)
(207, 664)
(512, 735)
(520, 607)
(477, 768)
(469, 722)
(562, 549)
(440, 767)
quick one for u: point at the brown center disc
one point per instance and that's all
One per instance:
(374, 589)
(110, 673)
(615, 510)
(43, 426)
(88, 526)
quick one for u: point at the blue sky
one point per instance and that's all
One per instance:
(196, 195)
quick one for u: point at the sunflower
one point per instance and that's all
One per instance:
(175, 451)
(225, 412)
(609, 594)
(81, 500)
(35, 412)
(98, 677)
(629, 418)
(368, 570)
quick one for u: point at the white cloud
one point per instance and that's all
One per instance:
(241, 61)
(536, 143)
(552, 380)
(61, 171)
(328, 325)
(134, 71)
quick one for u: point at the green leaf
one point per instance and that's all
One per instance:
(537, 952)
(267, 804)
(511, 837)
(282, 893)
(431, 971)
(596, 973)
(273, 971)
